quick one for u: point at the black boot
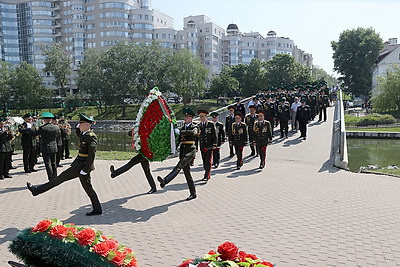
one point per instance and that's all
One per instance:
(152, 190)
(192, 190)
(39, 189)
(146, 168)
(32, 188)
(167, 178)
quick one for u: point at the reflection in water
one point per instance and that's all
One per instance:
(380, 152)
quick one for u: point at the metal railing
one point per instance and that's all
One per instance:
(339, 142)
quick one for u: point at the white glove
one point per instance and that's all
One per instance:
(77, 126)
(28, 125)
(82, 172)
(177, 131)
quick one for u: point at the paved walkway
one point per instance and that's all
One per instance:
(298, 211)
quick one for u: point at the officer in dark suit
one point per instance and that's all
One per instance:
(270, 112)
(49, 133)
(136, 160)
(313, 104)
(219, 127)
(5, 148)
(229, 120)
(188, 135)
(323, 103)
(239, 138)
(283, 116)
(262, 136)
(303, 116)
(65, 136)
(28, 143)
(207, 142)
(80, 167)
(249, 120)
(59, 142)
(239, 107)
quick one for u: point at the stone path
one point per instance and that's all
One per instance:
(298, 211)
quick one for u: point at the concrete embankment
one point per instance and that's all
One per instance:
(363, 134)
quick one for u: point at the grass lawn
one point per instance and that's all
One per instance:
(377, 129)
(111, 155)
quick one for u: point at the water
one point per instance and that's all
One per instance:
(380, 152)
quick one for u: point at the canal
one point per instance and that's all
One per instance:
(379, 152)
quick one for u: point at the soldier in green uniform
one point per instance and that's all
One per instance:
(5, 149)
(49, 133)
(28, 143)
(239, 138)
(229, 120)
(59, 142)
(65, 136)
(262, 136)
(219, 127)
(249, 120)
(207, 142)
(188, 135)
(283, 116)
(80, 167)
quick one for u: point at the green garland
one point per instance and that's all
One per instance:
(160, 140)
(41, 250)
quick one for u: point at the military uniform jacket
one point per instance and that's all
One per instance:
(269, 110)
(87, 151)
(303, 114)
(239, 134)
(240, 108)
(323, 101)
(219, 127)
(188, 137)
(313, 100)
(262, 133)
(249, 120)
(59, 137)
(5, 141)
(228, 125)
(65, 130)
(283, 112)
(27, 137)
(207, 135)
(49, 133)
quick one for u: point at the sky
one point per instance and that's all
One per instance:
(311, 24)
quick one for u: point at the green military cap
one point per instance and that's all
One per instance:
(61, 114)
(239, 114)
(188, 111)
(303, 99)
(27, 115)
(84, 118)
(237, 99)
(7, 114)
(47, 115)
(55, 117)
(231, 107)
(202, 111)
(214, 114)
(253, 106)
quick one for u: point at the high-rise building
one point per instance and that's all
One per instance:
(26, 26)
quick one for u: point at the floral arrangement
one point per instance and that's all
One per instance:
(52, 243)
(154, 135)
(228, 254)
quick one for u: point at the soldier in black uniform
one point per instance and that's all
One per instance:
(136, 160)
(303, 116)
(207, 141)
(219, 127)
(239, 138)
(80, 167)
(59, 142)
(262, 136)
(65, 136)
(313, 102)
(239, 107)
(5, 148)
(229, 120)
(28, 143)
(188, 135)
(249, 120)
(49, 133)
(270, 112)
(323, 103)
(283, 116)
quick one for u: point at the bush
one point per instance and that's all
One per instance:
(375, 119)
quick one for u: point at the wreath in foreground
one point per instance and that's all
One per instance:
(227, 255)
(51, 243)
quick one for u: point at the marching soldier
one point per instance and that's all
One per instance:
(207, 141)
(239, 138)
(28, 143)
(65, 136)
(283, 115)
(59, 142)
(219, 127)
(188, 135)
(229, 120)
(303, 116)
(323, 103)
(5, 149)
(239, 107)
(262, 136)
(249, 120)
(80, 167)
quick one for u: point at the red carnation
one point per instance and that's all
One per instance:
(243, 255)
(212, 252)
(86, 236)
(133, 263)
(42, 226)
(186, 263)
(118, 259)
(59, 231)
(105, 247)
(228, 251)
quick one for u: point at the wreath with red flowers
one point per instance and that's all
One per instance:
(228, 254)
(52, 243)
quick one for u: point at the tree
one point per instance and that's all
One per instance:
(388, 97)
(59, 64)
(239, 72)
(224, 84)
(187, 75)
(320, 74)
(354, 56)
(254, 78)
(6, 93)
(29, 90)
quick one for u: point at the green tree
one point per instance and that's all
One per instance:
(388, 97)
(59, 64)
(239, 72)
(224, 84)
(187, 75)
(354, 56)
(320, 74)
(254, 78)
(28, 87)
(6, 93)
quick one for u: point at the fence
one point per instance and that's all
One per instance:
(339, 143)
